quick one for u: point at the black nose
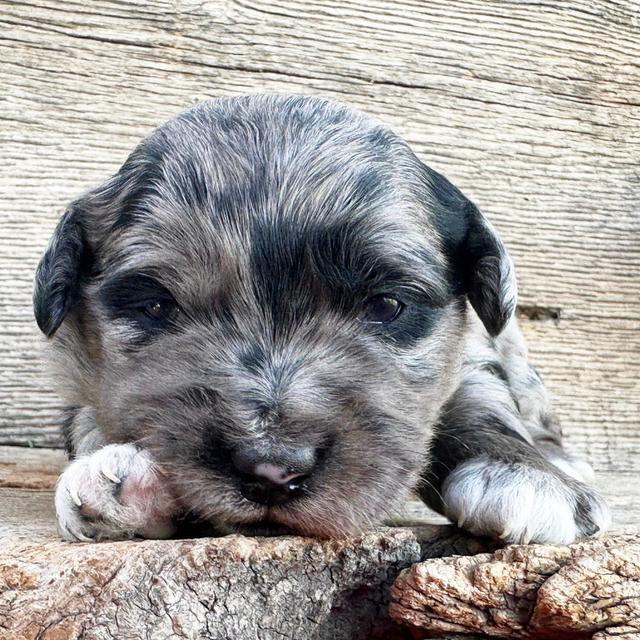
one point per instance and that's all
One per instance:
(270, 476)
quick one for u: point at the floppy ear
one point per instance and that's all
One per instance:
(482, 267)
(57, 282)
(93, 215)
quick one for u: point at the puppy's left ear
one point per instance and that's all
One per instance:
(482, 268)
(57, 281)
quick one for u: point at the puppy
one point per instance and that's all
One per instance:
(275, 316)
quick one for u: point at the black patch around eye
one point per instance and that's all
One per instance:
(382, 309)
(141, 300)
(416, 322)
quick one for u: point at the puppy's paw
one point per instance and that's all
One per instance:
(114, 493)
(522, 504)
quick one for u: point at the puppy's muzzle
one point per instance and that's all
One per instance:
(273, 476)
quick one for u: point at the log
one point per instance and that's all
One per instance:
(586, 590)
(232, 587)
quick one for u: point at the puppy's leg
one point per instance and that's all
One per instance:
(110, 491)
(497, 463)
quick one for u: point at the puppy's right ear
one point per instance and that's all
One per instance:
(481, 266)
(57, 282)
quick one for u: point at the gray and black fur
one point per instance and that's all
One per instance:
(274, 314)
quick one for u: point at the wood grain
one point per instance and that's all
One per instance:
(531, 108)
(231, 587)
(586, 590)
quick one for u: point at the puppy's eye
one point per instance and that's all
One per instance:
(380, 309)
(158, 309)
(142, 302)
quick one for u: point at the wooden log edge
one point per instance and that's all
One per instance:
(585, 590)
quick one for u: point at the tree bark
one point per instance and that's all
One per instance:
(234, 587)
(585, 590)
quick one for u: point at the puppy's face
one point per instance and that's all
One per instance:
(270, 297)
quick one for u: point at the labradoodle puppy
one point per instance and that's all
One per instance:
(274, 316)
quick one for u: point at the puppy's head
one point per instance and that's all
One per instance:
(270, 296)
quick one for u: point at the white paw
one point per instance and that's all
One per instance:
(114, 493)
(522, 504)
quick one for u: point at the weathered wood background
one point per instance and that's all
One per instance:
(532, 108)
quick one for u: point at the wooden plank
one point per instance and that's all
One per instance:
(531, 109)
(23, 470)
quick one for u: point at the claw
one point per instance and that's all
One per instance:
(75, 497)
(109, 474)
